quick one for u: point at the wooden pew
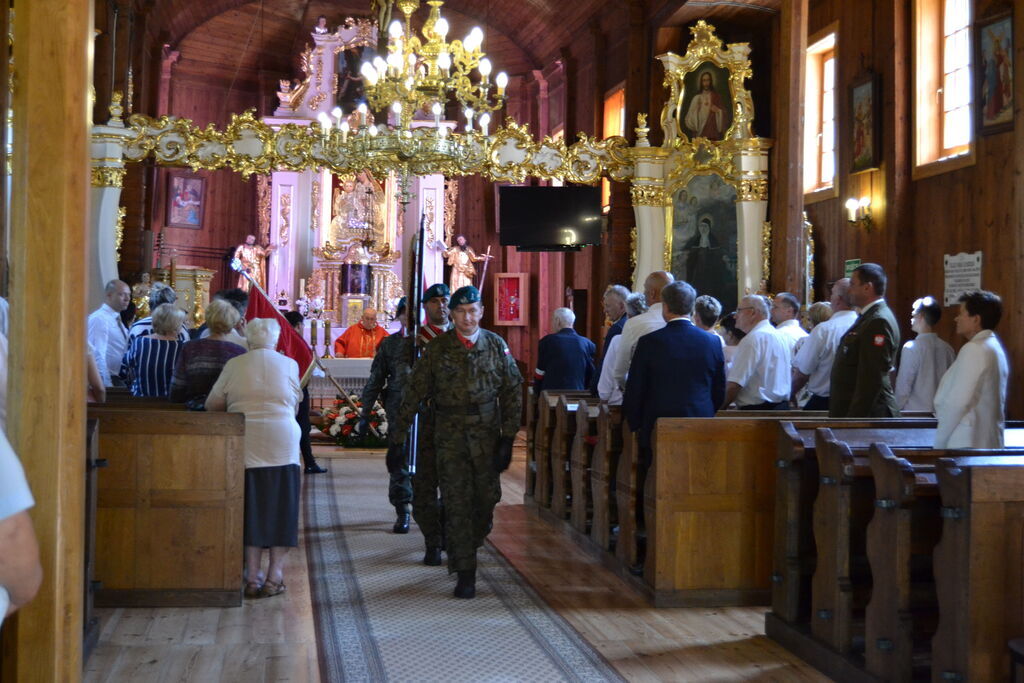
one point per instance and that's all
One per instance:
(625, 499)
(797, 483)
(845, 505)
(979, 567)
(170, 502)
(603, 465)
(543, 434)
(563, 435)
(580, 463)
(531, 460)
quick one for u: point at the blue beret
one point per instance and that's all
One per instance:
(464, 295)
(439, 289)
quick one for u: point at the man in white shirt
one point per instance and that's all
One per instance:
(759, 378)
(971, 396)
(107, 334)
(786, 318)
(812, 365)
(642, 324)
(924, 360)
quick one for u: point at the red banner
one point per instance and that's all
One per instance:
(290, 343)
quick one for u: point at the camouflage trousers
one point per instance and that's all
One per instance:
(400, 488)
(469, 486)
(427, 508)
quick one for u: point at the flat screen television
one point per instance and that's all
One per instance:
(549, 218)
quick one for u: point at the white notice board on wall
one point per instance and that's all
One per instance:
(963, 274)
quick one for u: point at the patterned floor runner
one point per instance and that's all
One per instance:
(381, 615)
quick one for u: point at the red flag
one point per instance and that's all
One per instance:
(290, 343)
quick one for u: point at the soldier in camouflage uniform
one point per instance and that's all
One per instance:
(475, 386)
(427, 507)
(389, 374)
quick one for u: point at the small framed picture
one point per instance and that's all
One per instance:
(993, 78)
(511, 298)
(864, 124)
(185, 200)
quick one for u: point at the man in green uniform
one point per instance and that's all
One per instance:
(860, 385)
(475, 386)
(389, 374)
(427, 506)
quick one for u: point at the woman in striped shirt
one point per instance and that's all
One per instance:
(148, 364)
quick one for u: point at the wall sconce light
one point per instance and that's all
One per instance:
(858, 212)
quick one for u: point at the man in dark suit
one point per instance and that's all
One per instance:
(565, 360)
(614, 303)
(677, 371)
(860, 385)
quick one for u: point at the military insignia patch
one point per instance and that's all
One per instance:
(879, 340)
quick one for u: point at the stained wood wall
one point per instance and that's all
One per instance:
(918, 221)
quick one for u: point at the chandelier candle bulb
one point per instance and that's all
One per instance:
(441, 27)
(337, 114)
(485, 68)
(502, 82)
(362, 115)
(485, 121)
(395, 29)
(344, 131)
(436, 109)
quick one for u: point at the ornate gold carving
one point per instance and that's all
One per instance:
(285, 215)
(451, 198)
(766, 255)
(364, 37)
(263, 208)
(108, 176)
(632, 248)
(119, 232)
(329, 252)
(314, 198)
(753, 190)
(641, 131)
(249, 146)
(290, 96)
(116, 110)
(648, 195)
(809, 259)
(428, 222)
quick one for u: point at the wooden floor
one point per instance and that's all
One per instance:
(274, 639)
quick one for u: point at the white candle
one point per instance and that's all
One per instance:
(302, 287)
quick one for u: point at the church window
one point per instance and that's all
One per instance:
(820, 115)
(614, 124)
(942, 53)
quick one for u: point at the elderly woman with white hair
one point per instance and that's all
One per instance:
(149, 361)
(264, 385)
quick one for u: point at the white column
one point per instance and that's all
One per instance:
(107, 175)
(649, 202)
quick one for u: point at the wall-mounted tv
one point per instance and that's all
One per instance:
(549, 218)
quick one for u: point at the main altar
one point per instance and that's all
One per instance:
(343, 241)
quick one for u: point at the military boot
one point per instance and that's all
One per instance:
(466, 587)
(402, 520)
(432, 558)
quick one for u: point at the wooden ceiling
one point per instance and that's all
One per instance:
(236, 40)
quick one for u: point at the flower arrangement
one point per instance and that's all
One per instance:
(339, 422)
(310, 307)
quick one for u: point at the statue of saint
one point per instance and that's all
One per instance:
(460, 258)
(358, 213)
(254, 261)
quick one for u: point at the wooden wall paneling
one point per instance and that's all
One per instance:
(49, 218)
(786, 164)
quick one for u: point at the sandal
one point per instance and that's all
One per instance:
(270, 589)
(252, 589)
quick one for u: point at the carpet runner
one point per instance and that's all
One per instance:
(381, 615)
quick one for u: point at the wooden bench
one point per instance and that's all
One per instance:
(563, 437)
(170, 504)
(543, 435)
(580, 459)
(797, 483)
(979, 566)
(531, 462)
(603, 466)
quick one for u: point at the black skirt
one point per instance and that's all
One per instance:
(272, 506)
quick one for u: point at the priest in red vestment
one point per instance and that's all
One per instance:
(362, 339)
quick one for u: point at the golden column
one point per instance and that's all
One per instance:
(49, 217)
